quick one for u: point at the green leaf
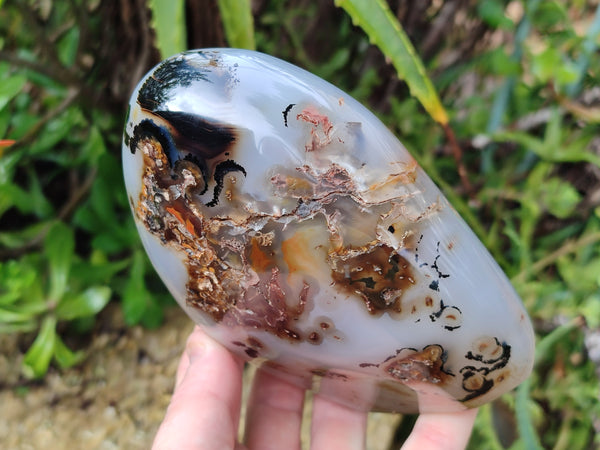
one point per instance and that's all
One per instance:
(88, 303)
(552, 147)
(64, 356)
(559, 197)
(21, 288)
(153, 314)
(39, 204)
(38, 357)
(56, 130)
(545, 349)
(588, 50)
(33, 305)
(581, 276)
(524, 421)
(238, 23)
(492, 12)
(567, 73)
(552, 65)
(108, 242)
(93, 148)
(501, 63)
(8, 165)
(5, 120)
(18, 238)
(545, 64)
(138, 303)
(549, 14)
(9, 88)
(59, 247)
(106, 214)
(168, 20)
(18, 327)
(98, 272)
(376, 19)
(9, 315)
(103, 202)
(135, 295)
(12, 195)
(32, 201)
(15, 277)
(591, 311)
(67, 47)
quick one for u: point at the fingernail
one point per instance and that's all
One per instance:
(195, 347)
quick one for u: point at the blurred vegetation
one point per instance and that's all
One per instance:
(518, 80)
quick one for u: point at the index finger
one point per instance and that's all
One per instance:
(205, 407)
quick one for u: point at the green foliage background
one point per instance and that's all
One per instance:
(523, 107)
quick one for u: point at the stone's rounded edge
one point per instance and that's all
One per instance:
(370, 343)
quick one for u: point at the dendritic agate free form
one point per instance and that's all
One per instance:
(290, 223)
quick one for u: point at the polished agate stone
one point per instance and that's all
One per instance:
(298, 231)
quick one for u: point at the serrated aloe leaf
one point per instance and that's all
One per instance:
(168, 20)
(376, 19)
(238, 23)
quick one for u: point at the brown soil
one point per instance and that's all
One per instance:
(117, 398)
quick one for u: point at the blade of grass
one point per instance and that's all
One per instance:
(588, 49)
(568, 247)
(544, 350)
(238, 23)
(524, 422)
(376, 19)
(503, 94)
(485, 426)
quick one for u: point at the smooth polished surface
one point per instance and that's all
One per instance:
(285, 218)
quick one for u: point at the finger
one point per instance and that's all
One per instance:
(336, 427)
(449, 431)
(204, 409)
(274, 414)
(184, 363)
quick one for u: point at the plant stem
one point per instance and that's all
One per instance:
(524, 423)
(548, 260)
(458, 158)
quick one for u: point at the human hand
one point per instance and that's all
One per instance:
(205, 409)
